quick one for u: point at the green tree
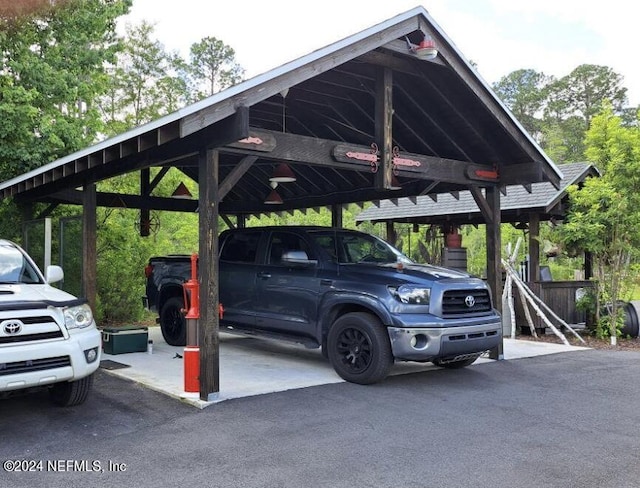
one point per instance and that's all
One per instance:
(589, 86)
(563, 139)
(18, 118)
(572, 102)
(53, 72)
(604, 215)
(144, 82)
(213, 66)
(524, 92)
(557, 112)
(630, 116)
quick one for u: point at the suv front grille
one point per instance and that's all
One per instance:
(462, 302)
(44, 319)
(34, 365)
(31, 337)
(51, 330)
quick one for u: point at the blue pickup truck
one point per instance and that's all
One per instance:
(352, 294)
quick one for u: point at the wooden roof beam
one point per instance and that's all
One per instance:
(120, 200)
(225, 131)
(234, 176)
(294, 148)
(483, 204)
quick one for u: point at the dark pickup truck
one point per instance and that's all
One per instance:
(354, 295)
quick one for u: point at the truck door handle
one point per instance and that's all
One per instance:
(264, 275)
(326, 282)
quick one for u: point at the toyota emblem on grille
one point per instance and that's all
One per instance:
(12, 327)
(470, 301)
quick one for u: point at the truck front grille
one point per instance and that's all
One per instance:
(464, 302)
(34, 365)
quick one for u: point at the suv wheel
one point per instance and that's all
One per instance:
(359, 349)
(172, 322)
(71, 393)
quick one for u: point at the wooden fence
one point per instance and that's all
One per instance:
(559, 296)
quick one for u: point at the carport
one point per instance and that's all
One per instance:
(378, 115)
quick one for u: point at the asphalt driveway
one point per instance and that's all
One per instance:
(563, 420)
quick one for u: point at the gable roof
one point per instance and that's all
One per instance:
(517, 202)
(442, 110)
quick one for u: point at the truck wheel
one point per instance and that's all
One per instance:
(455, 364)
(172, 322)
(359, 348)
(71, 393)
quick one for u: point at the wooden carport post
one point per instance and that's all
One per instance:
(489, 205)
(534, 247)
(231, 129)
(494, 255)
(145, 213)
(208, 274)
(89, 236)
(336, 215)
(384, 127)
(392, 236)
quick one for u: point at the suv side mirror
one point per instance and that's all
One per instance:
(298, 258)
(54, 274)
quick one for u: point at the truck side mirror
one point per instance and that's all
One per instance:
(54, 274)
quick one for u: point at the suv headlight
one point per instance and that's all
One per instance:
(78, 317)
(411, 294)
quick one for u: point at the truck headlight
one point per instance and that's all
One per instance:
(411, 294)
(78, 317)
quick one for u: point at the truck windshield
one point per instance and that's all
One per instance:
(15, 268)
(354, 248)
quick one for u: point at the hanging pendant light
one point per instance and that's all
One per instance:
(425, 50)
(182, 192)
(274, 197)
(283, 174)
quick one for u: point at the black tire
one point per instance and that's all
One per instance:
(359, 348)
(173, 323)
(463, 363)
(71, 393)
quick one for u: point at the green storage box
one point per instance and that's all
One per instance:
(121, 340)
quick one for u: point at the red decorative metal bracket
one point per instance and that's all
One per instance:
(488, 174)
(406, 162)
(251, 140)
(398, 161)
(371, 156)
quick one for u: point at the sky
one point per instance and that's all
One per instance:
(499, 36)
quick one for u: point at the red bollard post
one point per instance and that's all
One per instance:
(192, 351)
(192, 369)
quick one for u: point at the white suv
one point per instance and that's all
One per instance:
(47, 336)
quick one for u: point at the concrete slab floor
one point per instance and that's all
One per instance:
(251, 366)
